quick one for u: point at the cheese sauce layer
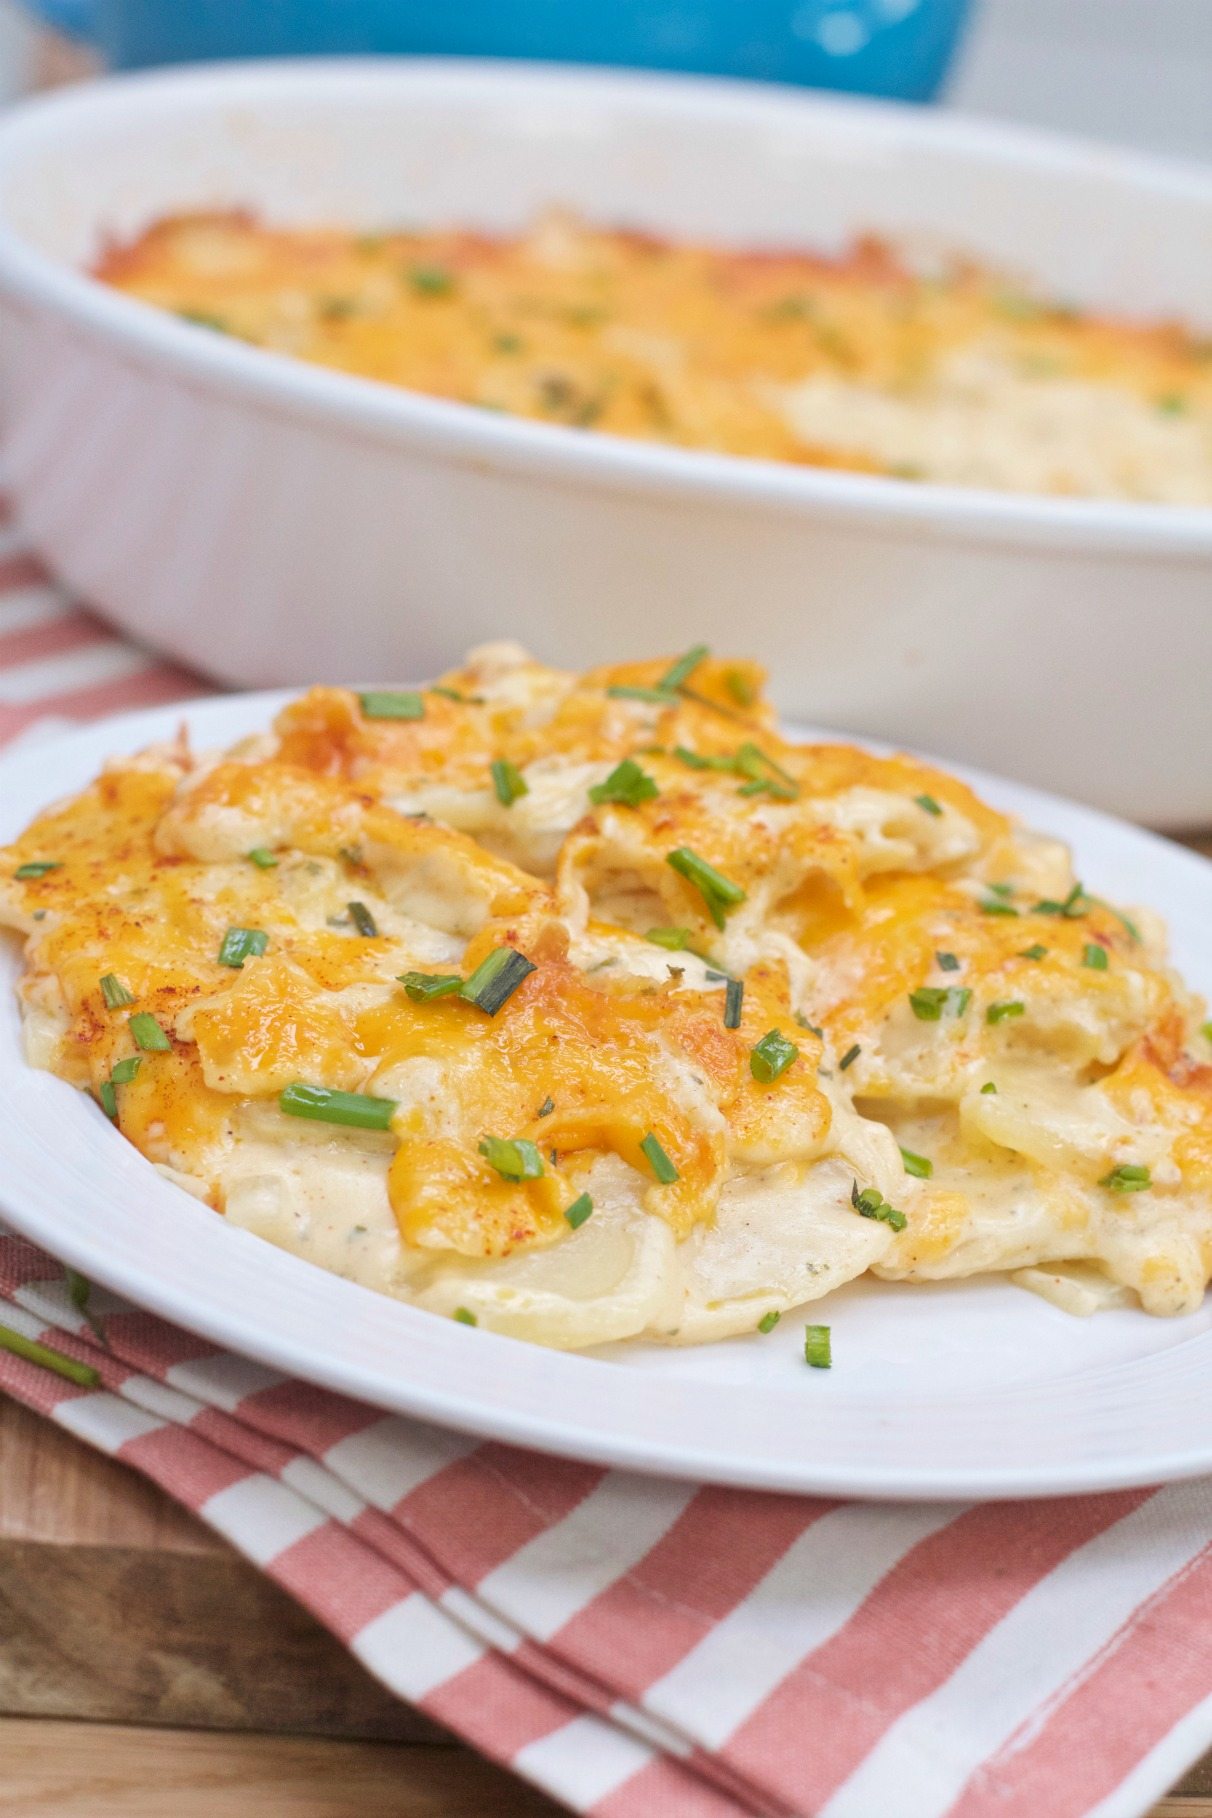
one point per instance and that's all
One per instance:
(587, 1007)
(850, 362)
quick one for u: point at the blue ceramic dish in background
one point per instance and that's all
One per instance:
(899, 48)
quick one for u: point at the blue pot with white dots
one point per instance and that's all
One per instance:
(899, 48)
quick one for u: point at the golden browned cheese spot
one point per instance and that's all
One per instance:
(598, 1052)
(169, 1112)
(548, 715)
(114, 904)
(239, 805)
(638, 336)
(889, 950)
(326, 730)
(940, 1220)
(826, 770)
(1178, 1091)
(271, 1028)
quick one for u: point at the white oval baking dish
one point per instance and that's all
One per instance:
(269, 521)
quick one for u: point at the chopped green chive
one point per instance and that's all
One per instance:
(1074, 905)
(734, 993)
(363, 920)
(430, 280)
(768, 1321)
(1000, 1013)
(148, 1034)
(452, 694)
(771, 1057)
(336, 309)
(1094, 956)
(993, 905)
(125, 1070)
(239, 944)
(817, 1349)
(465, 1316)
(929, 804)
(672, 938)
(80, 1373)
(115, 992)
(1018, 308)
(704, 700)
(263, 858)
(496, 978)
(659, 1162)
(870, 1203)
(751, 757)
(719, 893)
(79, 1292)
(356, 1109)
(930, 1002)
(627, 784)
(811, 1027)
(988, 1087)
(766, 785)
(680, 672)
(579, 1211)
(1125, 921)
(848, 1059)
(946, 962)
(1035, 951)
(546, 1108)
(421, 987)
(739, 687)
(107, 1098)
(508, 782)
(388, 705)
(763, 772)
(1205, 1030)
(697, 760)
(36, 868)
(1004, 890)
(918, 1165)
(1128, 1178)
(655, 697)
(1172, 404)
(204, 318)
(513, 1158)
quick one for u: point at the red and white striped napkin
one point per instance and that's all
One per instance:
(637, 1647)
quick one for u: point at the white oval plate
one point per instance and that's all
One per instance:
(970, 1389)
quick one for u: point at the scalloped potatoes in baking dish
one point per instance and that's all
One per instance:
(854, 361)
(588, 1007)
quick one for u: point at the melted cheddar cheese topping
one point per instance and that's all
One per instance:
(776, 1014)
(848, 362)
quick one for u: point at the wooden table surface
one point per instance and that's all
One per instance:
(147, 1670)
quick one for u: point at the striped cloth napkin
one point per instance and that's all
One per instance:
(632, 1646)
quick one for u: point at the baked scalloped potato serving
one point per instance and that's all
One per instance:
(588, 1007)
